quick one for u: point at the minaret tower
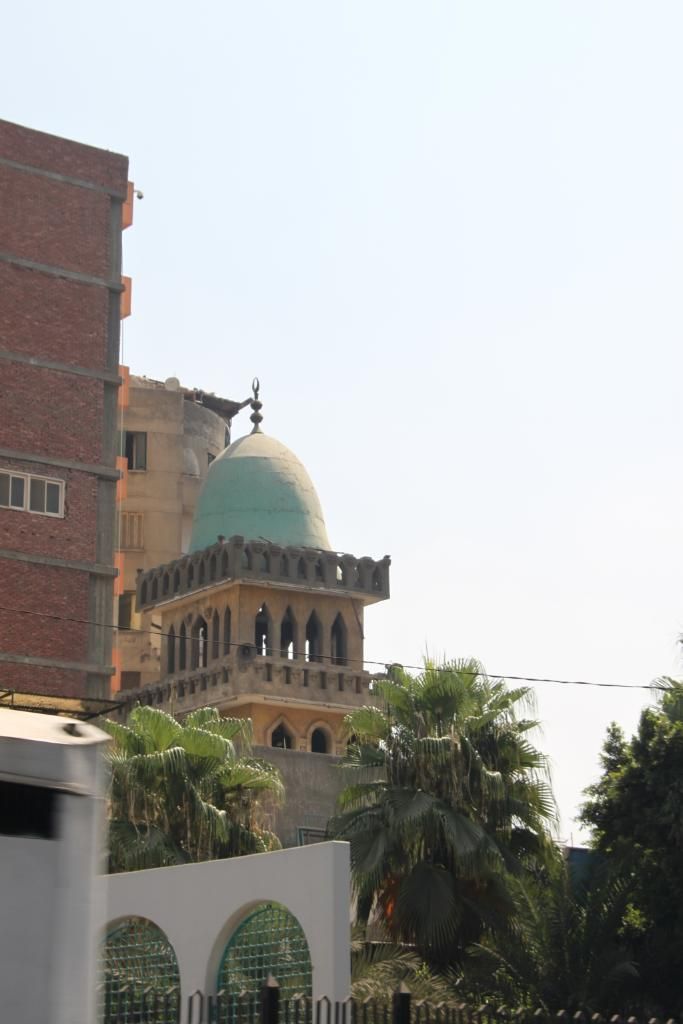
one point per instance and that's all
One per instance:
(263, 618)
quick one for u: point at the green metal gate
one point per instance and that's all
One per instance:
(138, 974)
(269, 941)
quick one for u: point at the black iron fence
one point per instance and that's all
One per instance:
(136, 1005)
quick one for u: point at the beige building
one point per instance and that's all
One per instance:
(170, 435)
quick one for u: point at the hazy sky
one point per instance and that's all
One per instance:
(448, 238)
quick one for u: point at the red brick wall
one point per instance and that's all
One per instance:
(55, 223)
(66, 226)
(62, 593)
(71, 537)
(68, 426)
(62, 156)
(58, 682)
(52, 318)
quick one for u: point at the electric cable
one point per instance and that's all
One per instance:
(386, 665)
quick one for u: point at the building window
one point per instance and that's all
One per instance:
(132, 531)
(30, 493)
(281, 737)
(319, 742)
(126, 609)
(130, 680)
(338, 641)
(135, 449)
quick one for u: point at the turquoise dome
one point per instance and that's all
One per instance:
(259, 490)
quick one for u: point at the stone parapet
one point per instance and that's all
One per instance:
(262, 562)
(242, 674)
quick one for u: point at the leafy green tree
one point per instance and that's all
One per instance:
(636, 813)
(563, 949)
(450, 797)
(185, 791)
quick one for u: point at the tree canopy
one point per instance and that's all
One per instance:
(185, 791)
(448, 798)
(636, 813)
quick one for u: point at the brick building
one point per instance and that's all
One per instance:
(63, 206)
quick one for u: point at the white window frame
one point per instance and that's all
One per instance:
(27, 478)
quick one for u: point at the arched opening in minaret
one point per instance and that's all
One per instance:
(338, 641)
(288, 635)
(170, 651)
(263, 631)
(313, 638)
(227, 629)
(301, 569)
(319, 742)
(200, 643)
(215, 636)
(190, 575)
(281, 737)
(182, 648)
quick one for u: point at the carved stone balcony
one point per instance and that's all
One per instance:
(260, 561)
(263, 678)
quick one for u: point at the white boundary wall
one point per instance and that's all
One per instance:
(198, 906)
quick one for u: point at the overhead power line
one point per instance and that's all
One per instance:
(386, 664)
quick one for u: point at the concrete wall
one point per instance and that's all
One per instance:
(312, 784)
(199, 906)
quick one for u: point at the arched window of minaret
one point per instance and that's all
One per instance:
(338, 640)
(215, 636)
(313, 638)
(200, 643)
(227, 626)
(263, 627)
(301, 569)
(182, 648)
(143, 592)
(190, 574)
(165, 583)
(265, 562)
(319, 570)
(170, 651)
(246, 558)
(212, 567)
(319, 742)
(202, 571)
(377, 580)
(176, 581)
(287, 635)
(281, 737)
(284, 565)
(224, 564)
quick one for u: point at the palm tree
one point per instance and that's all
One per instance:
(451, 797)
(185, 791)
(565, 949)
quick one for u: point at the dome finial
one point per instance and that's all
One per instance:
(256, 416)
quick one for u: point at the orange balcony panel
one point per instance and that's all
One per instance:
(124, 389)
(126, 297)
(127, 208)
(118, 581)
(122, 482)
